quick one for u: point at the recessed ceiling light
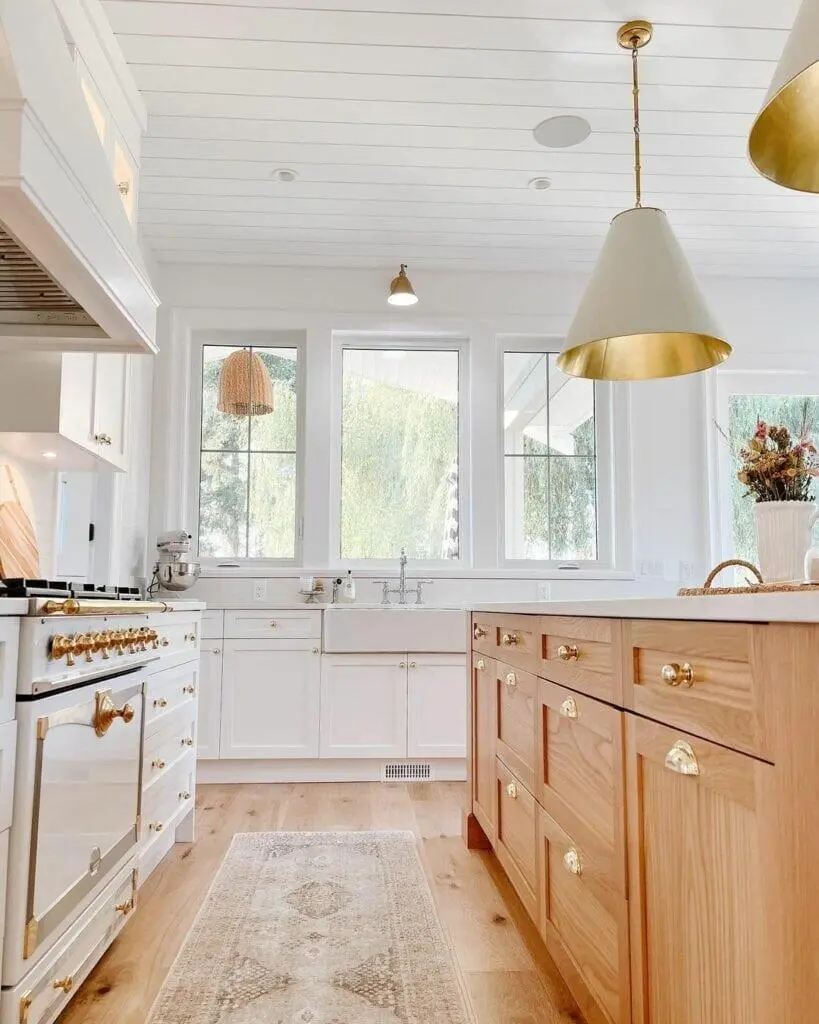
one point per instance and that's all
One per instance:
(540, 184)
(562, 131)
(49, 455)
(284, 174)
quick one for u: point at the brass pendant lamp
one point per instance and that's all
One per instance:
(784, 141)
(245, 388)
(643, 315)
(401, 291)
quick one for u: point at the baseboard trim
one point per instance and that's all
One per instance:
(340, 770)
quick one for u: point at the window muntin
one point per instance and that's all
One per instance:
(248, 482)
(400, 454)
(550, 461)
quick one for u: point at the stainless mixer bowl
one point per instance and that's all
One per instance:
(178, 575)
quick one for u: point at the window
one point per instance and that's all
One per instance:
(400, 453)
(248, 483)
(550, 461)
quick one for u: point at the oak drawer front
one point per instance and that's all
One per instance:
(580, 910)
(584, 654)
(699, 676)
(514, 639)
(272, 625)
(516, 845)
(581, 771)
(517, 702)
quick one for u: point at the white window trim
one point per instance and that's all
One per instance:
(612, 445)
(257, 339)
(413, 342)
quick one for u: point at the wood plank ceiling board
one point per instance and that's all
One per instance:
(410, 129)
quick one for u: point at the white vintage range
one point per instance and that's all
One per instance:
(104, 783)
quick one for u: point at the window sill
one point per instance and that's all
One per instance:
(414, 570)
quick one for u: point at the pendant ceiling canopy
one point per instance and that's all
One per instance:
(643, 315)
(784, 141)
(245, 388)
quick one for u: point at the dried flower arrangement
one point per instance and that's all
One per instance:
(774, 467)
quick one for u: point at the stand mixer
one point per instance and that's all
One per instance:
(172, 570)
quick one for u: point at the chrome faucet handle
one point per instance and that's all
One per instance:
(419, 590)
(385, 590)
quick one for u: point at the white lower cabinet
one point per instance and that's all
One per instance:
(364, 705)
(210, 699)
(436, 706)
(270, 699)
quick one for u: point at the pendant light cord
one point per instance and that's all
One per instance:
(638, 169)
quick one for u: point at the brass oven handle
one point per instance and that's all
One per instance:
(682, 759)
(569, 708)
(512, 791)
(568, 652)
(479, 633)
(510, 639)
(676, 675)
(511, 681)
(572, 861)
(66, 983)
(106, 712)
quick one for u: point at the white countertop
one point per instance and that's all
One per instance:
(786, 607)
(184, 606)
(14, 606)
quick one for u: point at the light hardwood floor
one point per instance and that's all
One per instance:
(493, 941)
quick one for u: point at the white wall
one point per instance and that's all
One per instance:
(769, 322)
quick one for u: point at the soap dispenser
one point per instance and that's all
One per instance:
(348, 588)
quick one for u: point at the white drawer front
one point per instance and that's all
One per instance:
(9, 632)
(8, 748)
(165, 747)
(166, 796)
(272, 625)
(168, 690)
(213, 624)
(38, 999)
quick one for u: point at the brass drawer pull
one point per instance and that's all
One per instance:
(187, 742)
(158, 764)
(682, 759)
(479, 633)
(124, 908)
(512, 791)
(676, 675)
(66, 984)
(156, 826)
(511, 681)
(161, 702)
(568, 652)
(480, 665)
(184, 795)
(569, 708)
(510, 639)
(572, 861)
(274, 624)
(191, 690)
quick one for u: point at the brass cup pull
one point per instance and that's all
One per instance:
(158, 764)
(511, 681)
(480, 665)
(676, 675)
(479, 633)
(124, 908)
(682, 759)
(161, 702)
(572, 861)
(510, 639)
(512, 791)
(106, 712)
(568, 708)
(568, 652)
(156, 826)
(66, 984)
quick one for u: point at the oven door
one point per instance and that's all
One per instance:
(87, 787)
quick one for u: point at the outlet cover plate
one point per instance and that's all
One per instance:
(260, 590)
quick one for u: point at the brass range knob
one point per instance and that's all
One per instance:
(102, 643)
(63, 647)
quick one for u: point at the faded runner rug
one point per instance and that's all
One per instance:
(316, 928)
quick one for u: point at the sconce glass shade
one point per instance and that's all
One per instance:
(245, 388)
(401, 291)
(643, 315)
(784, 141)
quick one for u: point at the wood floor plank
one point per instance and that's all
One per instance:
(492, 941)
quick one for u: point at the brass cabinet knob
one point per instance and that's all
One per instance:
(510, 639)
(184, 795)
(156, 826)
(66, 983)
(164, 641)
(274, 624)
(161, 702)
(682, 759)
(124, 908)
(568, 709)
(189, 689)
(190, 638)
(678, 675)
(218, 650)
(511, 681)
(512, 791)
(480, 665)
(572, 861)
(187, 742)
(402, 664)
(158, 764)
(413, 664)
(568, 652)
(479, 633)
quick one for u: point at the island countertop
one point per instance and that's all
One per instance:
(781, 607)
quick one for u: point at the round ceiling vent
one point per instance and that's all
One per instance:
(540, 184)
(562, 131)
(284, 174)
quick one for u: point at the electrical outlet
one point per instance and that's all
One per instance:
(543, 590)
(260, 590)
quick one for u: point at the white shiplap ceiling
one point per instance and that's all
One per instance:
(409, 123)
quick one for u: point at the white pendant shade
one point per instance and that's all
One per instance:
(643, 315)
(784, 142)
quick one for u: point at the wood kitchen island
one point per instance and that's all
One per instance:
(646, 772)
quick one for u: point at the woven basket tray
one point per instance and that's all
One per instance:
(707, 589)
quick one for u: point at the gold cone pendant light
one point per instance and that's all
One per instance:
(245, 388)
(401, 291)
(643, 315)
(784, 142)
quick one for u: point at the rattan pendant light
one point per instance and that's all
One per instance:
(784, 141)
(643, 315)
(245, 388)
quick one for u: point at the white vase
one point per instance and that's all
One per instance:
(783, 530)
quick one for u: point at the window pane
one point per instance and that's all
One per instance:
(219, 431)
(526, 402)
(272, 506)
(572, 501)
(223, 505)
(399, 464)
(571, 413)
(276, 431)
(527, 507)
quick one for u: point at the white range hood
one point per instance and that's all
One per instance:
(71, 272)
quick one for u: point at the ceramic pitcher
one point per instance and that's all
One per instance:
(784, 530)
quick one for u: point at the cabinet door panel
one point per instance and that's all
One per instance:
(111, 406)
(516, 845)
(270, 700)
(210, 701)
(436, 706)
(695, 877)
(77, 398)
(484, 731)
(364, 706)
